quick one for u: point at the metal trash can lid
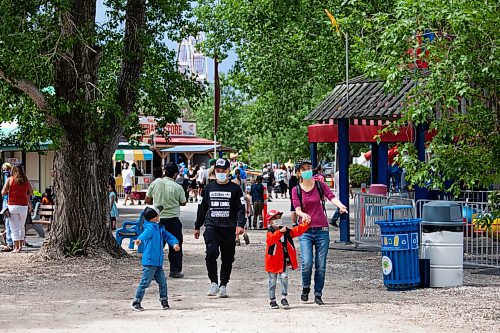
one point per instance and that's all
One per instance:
(448, 212)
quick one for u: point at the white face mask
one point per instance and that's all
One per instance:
(277, 222)
(221, 177)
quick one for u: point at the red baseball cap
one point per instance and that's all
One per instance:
(272, 213)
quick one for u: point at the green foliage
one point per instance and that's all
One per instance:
(74, 249)
(359, 174)
(464, 67)
(487, 218)
(35, 48)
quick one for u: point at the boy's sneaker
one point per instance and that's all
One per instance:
(223, 292)
(318, 300)
(305, 294)
(284, 304)
(273, 305)
(136, 306)
(214, 289)
(246, 238)
(164, 305)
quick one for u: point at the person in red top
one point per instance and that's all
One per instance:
(19, 189)
(280, 253)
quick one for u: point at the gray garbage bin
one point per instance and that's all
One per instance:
(442, 231)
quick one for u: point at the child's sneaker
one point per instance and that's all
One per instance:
(164, 305)
(284, 304)
(273, 305)
(214, 289)
(136, 306)
(246, 238)
(223, 292)
(318, 300)
(238, 242)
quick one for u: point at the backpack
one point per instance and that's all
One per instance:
(319, 188)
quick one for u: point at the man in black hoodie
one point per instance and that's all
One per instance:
(222, 211)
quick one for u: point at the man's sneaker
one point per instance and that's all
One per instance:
(246, 238)
(214, 289)
(164, 305)
(318, 300)
(176, 275)
(305, 294)
(284, 304)
(273, 305)
(223, 292)
(136, 306)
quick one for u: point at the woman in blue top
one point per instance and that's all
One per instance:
(113, 210)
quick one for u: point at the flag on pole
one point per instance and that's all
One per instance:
(217, 95)
(334, 21)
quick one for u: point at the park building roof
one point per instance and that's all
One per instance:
(367, 100)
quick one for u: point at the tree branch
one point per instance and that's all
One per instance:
(133, 58)
(29, 89)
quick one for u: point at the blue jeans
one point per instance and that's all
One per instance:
(273, 279)
(148, 274)
(8, 232)
(320, 240)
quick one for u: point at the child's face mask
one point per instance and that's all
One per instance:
(276, 223)
(155, 220)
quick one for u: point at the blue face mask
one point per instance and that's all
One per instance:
(221, 177)
(306, 175)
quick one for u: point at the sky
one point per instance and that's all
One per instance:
(224, 67)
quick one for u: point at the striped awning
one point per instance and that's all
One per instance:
(133, 155)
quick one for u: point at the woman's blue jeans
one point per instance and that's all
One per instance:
(314, 241)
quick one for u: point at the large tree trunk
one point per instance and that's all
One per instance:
(81, 218)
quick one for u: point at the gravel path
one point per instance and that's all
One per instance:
(91, 295)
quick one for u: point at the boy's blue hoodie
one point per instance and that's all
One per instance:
(152, 239)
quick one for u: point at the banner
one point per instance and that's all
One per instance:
(181, 128)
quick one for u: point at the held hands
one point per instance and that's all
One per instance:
(177, 248)
(196, 234)
(305, 218)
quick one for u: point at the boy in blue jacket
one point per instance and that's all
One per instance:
(152, 257)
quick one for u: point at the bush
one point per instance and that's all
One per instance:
(359, 174)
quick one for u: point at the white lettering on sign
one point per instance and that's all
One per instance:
(224, 204)
(216, 194)
(180, 128)
(214, 203)
(222, 213)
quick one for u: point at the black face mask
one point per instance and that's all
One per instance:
(6, 172)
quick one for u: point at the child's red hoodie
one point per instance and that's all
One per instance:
(280, 248)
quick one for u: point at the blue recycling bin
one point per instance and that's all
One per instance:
(400, 264)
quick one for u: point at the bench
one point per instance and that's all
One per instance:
(43, 214)
(131, 230)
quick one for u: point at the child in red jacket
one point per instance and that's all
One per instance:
(280, 253)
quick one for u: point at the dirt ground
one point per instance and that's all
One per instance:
(91, 295)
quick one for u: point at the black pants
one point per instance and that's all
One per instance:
(220, 240)
(174, 226)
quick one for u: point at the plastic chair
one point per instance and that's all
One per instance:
(131, 230)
